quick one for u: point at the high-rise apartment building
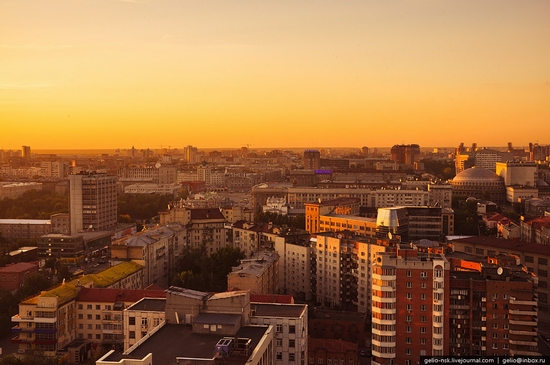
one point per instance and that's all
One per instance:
(92, 202)
(410, 306)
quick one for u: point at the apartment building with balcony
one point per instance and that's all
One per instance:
(48, 322)
(341, 270)
(294, 265)
(534, 256)
(251, 237)
(410, 305)
(99, 313)
(493, 312)
(157, 249)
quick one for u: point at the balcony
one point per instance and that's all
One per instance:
(522, 312)
(17, 318)
(523, 333)
(17, 339)
(523, 323)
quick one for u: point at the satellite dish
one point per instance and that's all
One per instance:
(157, 165)
(500, 271)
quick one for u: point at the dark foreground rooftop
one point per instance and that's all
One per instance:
(174, 340)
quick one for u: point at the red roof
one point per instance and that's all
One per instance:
(104, 295)
(272, 298)
(19, 267)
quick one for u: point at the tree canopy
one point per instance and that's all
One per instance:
(199, 271)
(141, 206)
(34, 204)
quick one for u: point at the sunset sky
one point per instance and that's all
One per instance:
(229, 73)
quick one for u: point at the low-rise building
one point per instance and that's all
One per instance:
(12, 277)
(291, 328)
(26, 229)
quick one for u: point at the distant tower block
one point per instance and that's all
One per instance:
(312, 159)
(26, 150)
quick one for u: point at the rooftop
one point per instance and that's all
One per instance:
(25, 221)
(19, 267)
(106, 295)
(67, 291)
(278, 310)
(150, 305)
(174, 340)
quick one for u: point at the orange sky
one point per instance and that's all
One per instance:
(151, 73)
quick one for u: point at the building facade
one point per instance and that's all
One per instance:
(92, 202)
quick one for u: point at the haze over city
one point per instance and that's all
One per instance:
(117, 74)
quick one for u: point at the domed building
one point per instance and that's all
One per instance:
(479, 183)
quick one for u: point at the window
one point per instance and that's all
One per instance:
(80, 306)
(423, 307)
(409, 274)
(542, 261)
(422, 318)
(291, 343)
(97, 326)
(409, 284)
(408, 340)
(98, 317)
(529, 259)
(132, 321)
(279, 328)
(97, 307)
(409, 307)
(279, 342)
(422, 341)
(89, 316)
(408, 329)
(409, 296)
(80, 316)
(89, 306)
(98, 336)
(132, 334)
(90, 326)
(422, 329)
(292, 329)
(291, 356)
(423, 296)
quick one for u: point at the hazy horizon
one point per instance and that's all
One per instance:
(95, 74)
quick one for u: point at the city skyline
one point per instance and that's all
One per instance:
(150, 74)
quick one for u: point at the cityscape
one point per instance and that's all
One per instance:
(206, 182)
(333, 256)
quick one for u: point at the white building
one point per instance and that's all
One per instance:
(290, 323)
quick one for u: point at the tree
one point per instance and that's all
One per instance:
(33, 285)
(198, 271)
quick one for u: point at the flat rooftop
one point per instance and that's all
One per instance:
(174, 340)
(150, 305)
(278, 310)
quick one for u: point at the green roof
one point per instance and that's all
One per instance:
(67, 291)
